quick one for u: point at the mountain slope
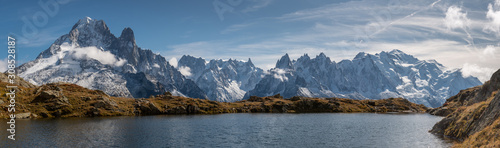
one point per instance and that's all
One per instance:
(378, 76)
(90, 56)
(473, 115)
(226, 81)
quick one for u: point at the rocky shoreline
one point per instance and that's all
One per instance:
(70, 100)
(472, 117)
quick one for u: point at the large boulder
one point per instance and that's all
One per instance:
(145, 107)
(105, 103)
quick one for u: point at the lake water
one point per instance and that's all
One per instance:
(231, 130)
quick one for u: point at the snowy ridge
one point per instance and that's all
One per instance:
(91, 56)
(378, 76)
(222, 80)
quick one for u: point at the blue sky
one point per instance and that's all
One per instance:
(458, 34)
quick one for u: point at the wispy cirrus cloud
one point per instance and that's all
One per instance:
(236, 27)
(258, 4)
(451, 32)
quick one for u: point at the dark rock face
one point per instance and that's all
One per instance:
(470, 111)
(284, 62)
(52, 96)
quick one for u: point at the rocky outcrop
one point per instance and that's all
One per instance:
(105, 103)
(296, 104)
(17, 81)
(145, 107)
(51, 97)
(470, 112)
(70, 100)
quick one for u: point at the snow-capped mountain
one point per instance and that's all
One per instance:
(379, 76)
(222, 80)
(92, 57)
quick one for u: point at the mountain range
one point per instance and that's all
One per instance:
(92, 57)
(368, 76)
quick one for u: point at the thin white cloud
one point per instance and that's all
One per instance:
(493, 15)
(456, 18)
(105, 57)
(259, 4)
(236, 27)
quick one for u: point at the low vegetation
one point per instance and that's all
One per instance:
(70, 100)
(472, 117)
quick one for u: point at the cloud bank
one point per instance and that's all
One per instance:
(493, 16)
(84, 53)
(482, 73)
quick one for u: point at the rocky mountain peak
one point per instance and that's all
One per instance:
(187, 60)
(304, 58)
(127, 35)
(87, 24)
(284, 62)
(120, 67)
(88, 32)
(360, 55)
(249, 63)
(396, 54)
(396, 51)
(321, 56)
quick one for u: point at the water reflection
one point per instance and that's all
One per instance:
(232, 130)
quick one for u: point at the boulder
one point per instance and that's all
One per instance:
(105, 102)
(192, 109)
(146, 107)
(23, 115)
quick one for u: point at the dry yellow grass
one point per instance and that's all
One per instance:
(489, 137)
